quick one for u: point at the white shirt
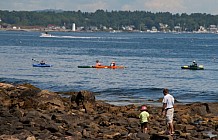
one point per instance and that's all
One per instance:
(169, 100)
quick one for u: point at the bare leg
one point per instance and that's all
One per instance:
(145, 130)
(142, 129)
(171, 129)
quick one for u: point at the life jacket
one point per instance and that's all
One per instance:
(98, 64)
(113, 64)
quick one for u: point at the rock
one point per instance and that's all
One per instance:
(31, 138)
(161, 137)
(199, 108)
(185, 135)
(179, 126)
(132, 136)
(6, 102)
(111, 136)
(49, 101)
(186, 118)
(69, 138)
(8, 137)
(143, 136)
(85, 133)
(132, 114)
(189, 127)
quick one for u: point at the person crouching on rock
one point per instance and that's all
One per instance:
(144, 116)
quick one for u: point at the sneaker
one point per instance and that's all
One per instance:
(172, 133)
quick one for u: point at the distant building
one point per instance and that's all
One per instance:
(202, 30)
(213, 29)
(93, 28)
(153, 29)
(163, 27)
(177, 29)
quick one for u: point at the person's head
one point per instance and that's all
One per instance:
(194, 61)
(97, 61)
(143, 108)
(165, 91)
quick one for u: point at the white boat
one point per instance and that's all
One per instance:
(46, 34)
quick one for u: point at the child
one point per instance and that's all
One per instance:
(144, 116)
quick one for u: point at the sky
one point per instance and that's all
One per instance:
(172, 6)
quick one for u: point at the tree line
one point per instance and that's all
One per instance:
(141, 20)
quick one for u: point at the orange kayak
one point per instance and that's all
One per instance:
(103, 67)
(109, 67)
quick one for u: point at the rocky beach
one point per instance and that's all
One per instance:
(30, 113)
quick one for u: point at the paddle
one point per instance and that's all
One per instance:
(35, 60)
(38, 61)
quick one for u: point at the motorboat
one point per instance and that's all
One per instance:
(46, 34)
(193, 67)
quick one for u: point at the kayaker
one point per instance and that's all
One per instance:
(112, 64)
(97, 63)
(42, 62)
(194, 63)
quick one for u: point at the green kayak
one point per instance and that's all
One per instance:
(191, 67)
(85, 66)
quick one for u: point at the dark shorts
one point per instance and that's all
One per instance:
(144, 125)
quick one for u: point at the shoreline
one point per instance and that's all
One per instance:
(116, 31)
(28, 112)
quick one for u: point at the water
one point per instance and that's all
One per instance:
(153, 62)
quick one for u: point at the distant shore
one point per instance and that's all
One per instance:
(113, 31)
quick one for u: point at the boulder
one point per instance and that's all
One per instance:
(49, 101)
(83, 96)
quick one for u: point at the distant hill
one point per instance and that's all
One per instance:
(50, 10)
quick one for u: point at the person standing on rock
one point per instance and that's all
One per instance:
(168, 110)
(144, 116)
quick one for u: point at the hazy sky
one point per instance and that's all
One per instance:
(173, 6)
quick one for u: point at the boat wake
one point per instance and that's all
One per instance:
(76, 37)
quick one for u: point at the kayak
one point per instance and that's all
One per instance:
(85, 66)
(109, 67)
(191, 67)
(41, 65)
(103, 67)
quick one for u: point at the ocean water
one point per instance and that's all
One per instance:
(153, 62)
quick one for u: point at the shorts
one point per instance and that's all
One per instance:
(169, 115)
(144, 125)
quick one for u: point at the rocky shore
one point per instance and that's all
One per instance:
(29, 113)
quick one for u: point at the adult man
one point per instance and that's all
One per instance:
(168, 110)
